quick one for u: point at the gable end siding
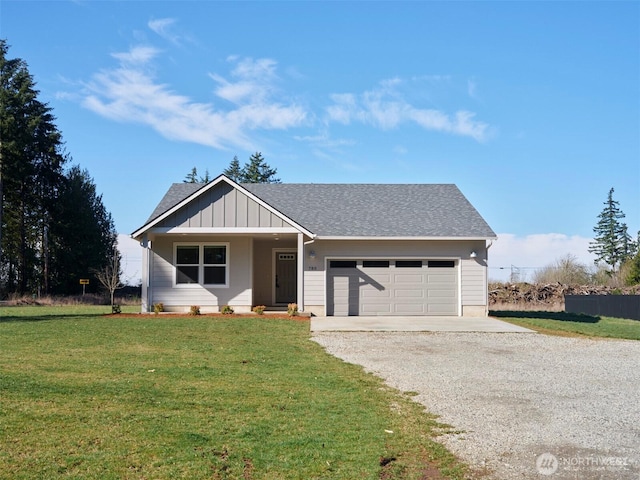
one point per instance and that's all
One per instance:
(223, 206)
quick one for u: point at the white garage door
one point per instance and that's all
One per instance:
(392, 287)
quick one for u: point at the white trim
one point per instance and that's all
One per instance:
(300, 273)
(222, 230)
(201, 265)
(459, 279)
(221, 178)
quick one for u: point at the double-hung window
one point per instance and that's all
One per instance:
(202, 264)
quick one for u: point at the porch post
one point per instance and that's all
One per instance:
(145, 294)
(300, 275)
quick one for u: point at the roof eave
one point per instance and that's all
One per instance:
(423, 238)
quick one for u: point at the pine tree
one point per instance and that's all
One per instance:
(612, 243)
(233, 171)
(53, 223)
(31, 170)
(191, 177)
(84, 236)
(258, 171)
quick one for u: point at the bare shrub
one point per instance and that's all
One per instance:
(606, 278)
(567, 270)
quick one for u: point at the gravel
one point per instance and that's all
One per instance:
(528, 405)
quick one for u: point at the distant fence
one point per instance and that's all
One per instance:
(619, 306)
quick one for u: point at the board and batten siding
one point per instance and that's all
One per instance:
(472, 271)
(237, 294)
(223, 206)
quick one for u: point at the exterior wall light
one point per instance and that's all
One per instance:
(312, 254)
(473, 254)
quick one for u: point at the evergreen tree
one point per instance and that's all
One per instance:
(258, 171)
(31, 169)
(54, 227)
(233, 171)
(612, 243)
(191, 177)
(84, 237)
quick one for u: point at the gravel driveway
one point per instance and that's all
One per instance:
(530, 405)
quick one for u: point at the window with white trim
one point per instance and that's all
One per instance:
(202, 264)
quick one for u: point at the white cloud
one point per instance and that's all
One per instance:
(138, 55)
(254, 80)
(384, 107)
(324, 140)
(130, 93)
(163, 27)
(526, 254)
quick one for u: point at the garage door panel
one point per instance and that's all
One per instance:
(413, 288)
(417, 278)
(434, 294)
(377, 276)
(375, 293)
(404, 293)
(376, 309)
(448, 279)
(410, 309)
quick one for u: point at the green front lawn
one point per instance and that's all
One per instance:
(571, 323)
(84, 395)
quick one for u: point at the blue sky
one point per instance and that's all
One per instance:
(531, 108)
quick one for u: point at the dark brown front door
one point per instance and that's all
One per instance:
(286, 277)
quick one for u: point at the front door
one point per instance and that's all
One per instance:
(286, 277)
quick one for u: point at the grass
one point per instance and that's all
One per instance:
(86, 395)
(562, 323)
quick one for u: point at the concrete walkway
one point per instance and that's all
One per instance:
(414, 324)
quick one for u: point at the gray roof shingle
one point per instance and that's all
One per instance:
(363, 210)
(176, 193)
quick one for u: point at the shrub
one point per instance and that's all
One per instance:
(194, 310)
(259, 309)
(631, 270)
(567, 270)
(292, 309)
(227, 310)
(158, 307)
(116, 308)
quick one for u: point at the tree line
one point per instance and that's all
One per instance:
(54, 227)
(255, 170)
